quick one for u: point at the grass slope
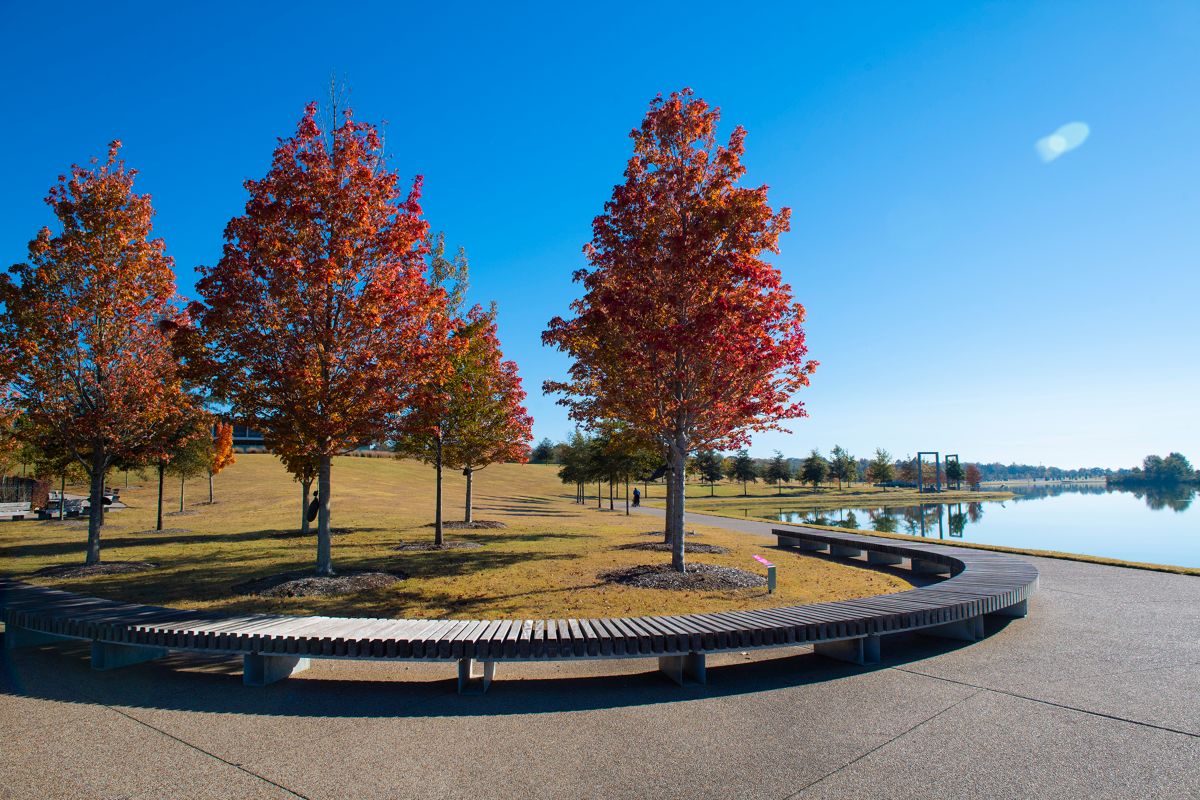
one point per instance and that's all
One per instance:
(543, 564)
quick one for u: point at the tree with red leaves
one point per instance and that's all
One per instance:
(94, 375)
(684, 332)
(315, 315)
(222, 454)
(485, 420)
(973, 476)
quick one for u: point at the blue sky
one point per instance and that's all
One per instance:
(963, 294)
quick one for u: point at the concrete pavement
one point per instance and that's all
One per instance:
(1096, 693)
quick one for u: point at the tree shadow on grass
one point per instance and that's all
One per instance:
(156, 538)
(212, 684)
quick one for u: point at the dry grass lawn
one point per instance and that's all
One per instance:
(543, 564)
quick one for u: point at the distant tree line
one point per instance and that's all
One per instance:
(583, 458)
(1170, 470)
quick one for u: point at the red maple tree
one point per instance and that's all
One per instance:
(94, 375)
(684, 332)
(314, 316)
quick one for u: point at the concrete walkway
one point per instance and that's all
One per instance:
(1095, 694)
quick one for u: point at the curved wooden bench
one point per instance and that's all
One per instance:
(274, 646)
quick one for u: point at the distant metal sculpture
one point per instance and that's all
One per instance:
(937, 462)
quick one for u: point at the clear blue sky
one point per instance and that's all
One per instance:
(963, 294)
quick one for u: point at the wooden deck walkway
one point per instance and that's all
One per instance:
(274, 646)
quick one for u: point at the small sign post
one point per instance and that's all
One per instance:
(770, 573)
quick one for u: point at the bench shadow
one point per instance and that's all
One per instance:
(213, 684)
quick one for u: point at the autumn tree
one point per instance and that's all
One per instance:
(814, 469)
(421, 429)
(486, 422)
(973, 477)
(684, 330)
(881, 469)
(93, 372)
(222, 453)
(315, 315)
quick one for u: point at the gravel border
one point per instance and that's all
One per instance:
(477, 525)
(704, 577)
(306, 584)
(663, 547)
(423, 547)
(85, 571)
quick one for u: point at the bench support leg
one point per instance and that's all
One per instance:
(929, 567)
(863, 650)
(874, 557)
(684, 669)
(965, 630)
(16, 636)
(260, 670)
(106, 655)
(471, 681)
(844, 551)
(816, 547)
(1015, 611)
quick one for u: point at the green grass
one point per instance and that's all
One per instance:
(545, 563)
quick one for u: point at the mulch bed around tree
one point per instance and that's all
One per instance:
(181, 513)
(704, 577)
(663, 547)
(164, 530)
(306, 584)
(103, 568)
(419, 547)
(477, 525)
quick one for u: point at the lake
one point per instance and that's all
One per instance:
(1159, 525)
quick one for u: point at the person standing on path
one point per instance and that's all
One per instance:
(637, 497)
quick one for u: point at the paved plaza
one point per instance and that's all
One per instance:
(1095, 694)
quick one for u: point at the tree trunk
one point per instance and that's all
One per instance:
(627, 498)
(324, 550)
(599, 497)
(610, 494)
(161, 469)
(437, 511)
(675, 522)
(712, 490)
(210, 491)
(305, 493)
(96, 509)
(62, 495)
(670, 505)
(182, 480)
(470, 473)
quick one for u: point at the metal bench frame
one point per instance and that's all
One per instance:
(273, 647)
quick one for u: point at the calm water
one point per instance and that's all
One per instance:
(1159, 526)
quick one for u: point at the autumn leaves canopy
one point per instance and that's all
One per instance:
(684, 333)
(328, 323)
(318, 325)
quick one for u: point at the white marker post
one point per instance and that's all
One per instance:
(770, 573)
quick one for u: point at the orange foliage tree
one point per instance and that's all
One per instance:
(93, 373)
(315, 314)
(684, 332)
(222, 455)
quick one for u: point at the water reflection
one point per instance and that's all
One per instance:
(951, 520)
